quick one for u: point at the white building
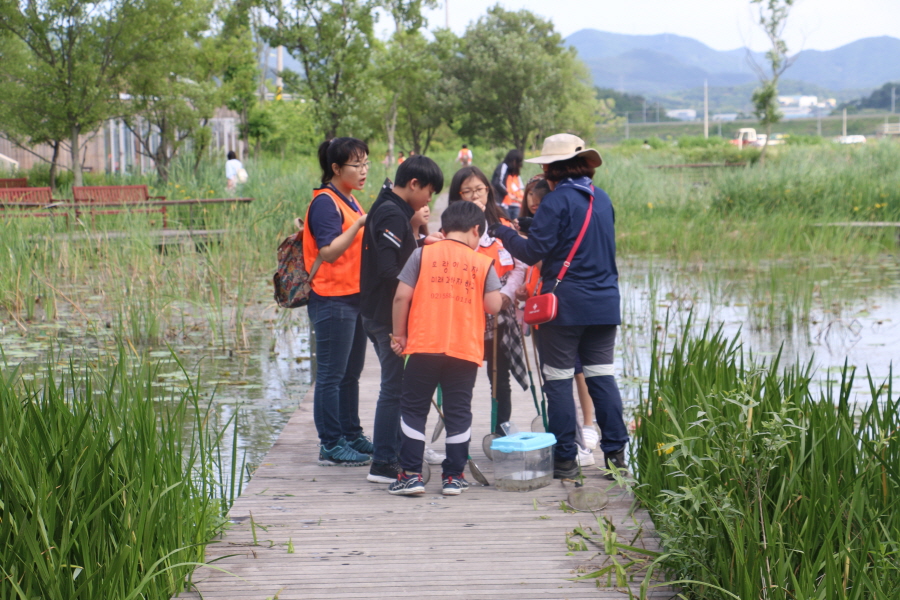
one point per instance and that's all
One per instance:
(682, 114)
(798, 101)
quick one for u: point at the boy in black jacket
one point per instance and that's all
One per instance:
(388, 242)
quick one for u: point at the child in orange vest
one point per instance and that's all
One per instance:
(439, 319)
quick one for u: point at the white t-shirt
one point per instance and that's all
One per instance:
(232, 167)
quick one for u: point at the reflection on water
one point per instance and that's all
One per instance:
(826, 313)
(264, 383)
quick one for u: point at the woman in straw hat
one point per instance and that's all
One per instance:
(588, 310)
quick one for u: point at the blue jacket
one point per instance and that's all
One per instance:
(589, 293)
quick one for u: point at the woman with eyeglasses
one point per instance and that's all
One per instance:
(471, 185)
(334, 231)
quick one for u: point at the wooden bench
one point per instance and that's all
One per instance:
(16, 202)
(19, 182)
(127, 197)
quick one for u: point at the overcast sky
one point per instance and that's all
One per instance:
(720, 24)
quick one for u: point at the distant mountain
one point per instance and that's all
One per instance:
(666, 63)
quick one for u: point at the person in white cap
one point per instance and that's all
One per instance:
(588, 297)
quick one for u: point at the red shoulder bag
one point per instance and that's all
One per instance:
(542, 308)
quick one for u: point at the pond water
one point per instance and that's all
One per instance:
(825, 312)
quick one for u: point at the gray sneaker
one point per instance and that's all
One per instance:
(615, 460)
(363, 445)
(341, 454)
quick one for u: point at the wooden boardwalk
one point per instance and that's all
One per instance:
(326, 532)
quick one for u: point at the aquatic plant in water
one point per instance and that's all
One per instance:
(106, 490)
(762, 486)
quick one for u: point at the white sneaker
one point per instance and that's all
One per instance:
(591, 437)
(432, 457)
(585, 457)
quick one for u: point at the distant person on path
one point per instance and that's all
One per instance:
(439, 315)
(465, 156)
(334, 232)
(469, 184)
(401, 158)
(508, 183)
(588, 313)
(388, 242)
(232, 168)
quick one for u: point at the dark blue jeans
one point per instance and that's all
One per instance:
(594, 345)
(340, 356)
(386, 435)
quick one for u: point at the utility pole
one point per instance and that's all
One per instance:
(893, 98)
(645, 111)
(706, 109)
(627, 133)
(845, 123)
(279, 67)
(818, 121)
(447, 13)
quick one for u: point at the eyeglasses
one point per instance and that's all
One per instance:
(360, 166)
(472, 192)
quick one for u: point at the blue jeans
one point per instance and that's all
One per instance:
(386, 435)
(340, 356)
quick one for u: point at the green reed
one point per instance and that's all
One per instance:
(762, 485)
(107, 490)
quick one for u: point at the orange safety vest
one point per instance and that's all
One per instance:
(515, 192)
(340, 278)
(532, 279)
(447, 312)
(503, 260)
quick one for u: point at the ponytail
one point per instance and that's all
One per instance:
(339, 151)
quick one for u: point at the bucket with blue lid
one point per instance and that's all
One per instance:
(523, 461)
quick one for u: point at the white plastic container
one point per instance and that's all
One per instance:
(523, 461)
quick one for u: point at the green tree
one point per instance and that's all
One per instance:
(81, 51)
(773, 16)
(513, 74)
(333, 41)
(171, 98)
(294, 127)
(20, 91)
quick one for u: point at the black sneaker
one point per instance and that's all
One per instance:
(341, 454)
(454, 485)
(363, 445)
(565, 469)
(615, 460)
(381, 472)
(407, 484)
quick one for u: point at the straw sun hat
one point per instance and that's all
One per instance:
(564, 146)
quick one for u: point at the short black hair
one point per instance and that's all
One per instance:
(231, 155)
(464, 146)
(422, 169)
(462, 216)
(574, 167)
(340, 151)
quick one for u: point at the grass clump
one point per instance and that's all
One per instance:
(105, 492)
(762, 487)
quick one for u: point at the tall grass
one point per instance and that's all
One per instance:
(762, 486)
(106, 490)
